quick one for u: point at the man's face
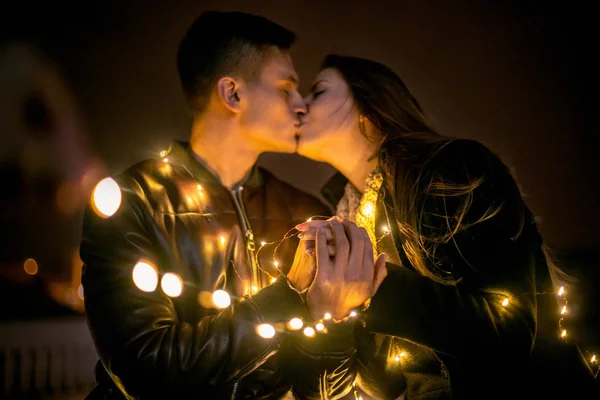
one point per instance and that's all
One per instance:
(271, 116)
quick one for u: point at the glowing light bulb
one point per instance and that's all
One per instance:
(563, 333)
(273, 279)
(30, 266)
(166, 160)
(171, 284)
(308, 331)
(505, 302)
(386, 229)
(561, 291)
(402, 354)
(265, 331)
(368, 210)
(327, 316)
(295, 324)
(397, 358)
(254, 289)
(222, 240)
(353, 314)
(145, 276)
(564, 310)
(593, 360)
(221, 299)
(106, 197)
(276, 264)
(163, 153)
(199, 187)
(319, 326)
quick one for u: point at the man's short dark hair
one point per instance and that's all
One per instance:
(225, 43)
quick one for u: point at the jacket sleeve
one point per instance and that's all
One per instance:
(323, 365)
(491, 309)
(141, 337)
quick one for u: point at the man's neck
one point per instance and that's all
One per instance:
(219, 146)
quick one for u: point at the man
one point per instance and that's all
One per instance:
(190, 229)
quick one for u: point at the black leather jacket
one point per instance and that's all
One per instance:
(178, 217)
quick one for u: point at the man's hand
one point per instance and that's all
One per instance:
(351, 277)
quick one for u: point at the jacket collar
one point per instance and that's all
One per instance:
(180, 154)
(333, 190)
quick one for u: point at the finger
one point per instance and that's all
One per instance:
(310, 249)
(357, 248)
(311, 225)
(324, 264)
(310, 234)
(380, 272)
(342, 248)
(368, 260)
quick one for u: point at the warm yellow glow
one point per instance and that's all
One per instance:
(327, 316)
(308, 220)
(199, 187)
(561, 291)
(265, 331)
(593, 359)
(163, 153)
(319, 326)
(505, 302)
(145, 276)
(386, 229)
(564, 333)
(295, 324)
(254, 289)
(276, 264)
(397, 358)
(106, 197)
(308, 331)
(353, 314)
(263, 243)
(171, 284)
(564, 310)
(165, 159)
(368, 210)
(30, 266)
(273, 279)
(221, 299)
(402, 354)
(222, 240)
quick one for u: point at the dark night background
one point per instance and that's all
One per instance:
(520, 77)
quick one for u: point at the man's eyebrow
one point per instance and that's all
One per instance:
(294, 79)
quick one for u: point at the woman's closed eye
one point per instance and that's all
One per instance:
(317, 93)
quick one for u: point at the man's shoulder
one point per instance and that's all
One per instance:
(151, 169)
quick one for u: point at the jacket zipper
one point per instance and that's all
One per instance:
(238, 200)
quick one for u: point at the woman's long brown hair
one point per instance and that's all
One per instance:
(408, 142)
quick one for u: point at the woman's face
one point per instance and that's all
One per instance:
(332, 117)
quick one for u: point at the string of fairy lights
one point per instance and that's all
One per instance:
(106, 200)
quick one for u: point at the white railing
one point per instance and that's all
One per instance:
(46, 359)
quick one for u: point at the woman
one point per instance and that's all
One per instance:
(456, 315)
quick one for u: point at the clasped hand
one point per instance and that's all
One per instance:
(335, 261)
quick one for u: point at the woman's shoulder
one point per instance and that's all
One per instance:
(465, 158)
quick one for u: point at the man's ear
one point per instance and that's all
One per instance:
(228, 90)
